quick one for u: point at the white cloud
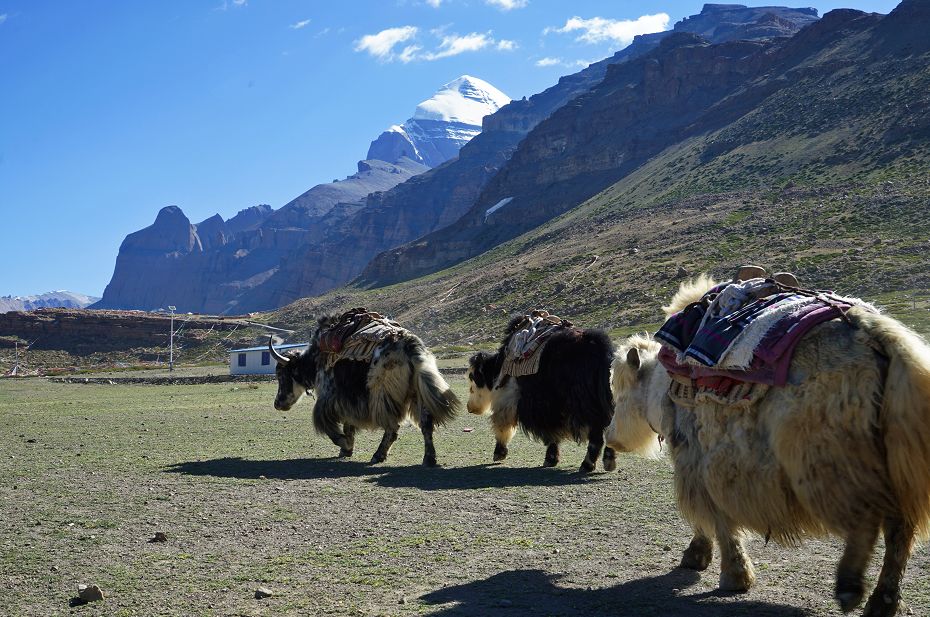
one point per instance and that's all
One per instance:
(434, 3)
(506, 45)
(409, 54)
(548, 61)
(453, 45)
(225, 5)
(507, 5)
(3, 18)
(303, 23)
(382, 44)
(619, 31)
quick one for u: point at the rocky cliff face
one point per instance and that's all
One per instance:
(442, 124)
(250, 261)
(207, 267)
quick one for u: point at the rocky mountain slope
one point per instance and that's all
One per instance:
(206, 267)
(51, 299)
(229, 266)
(440, 197)
(442, 124)
(679, 88)
(807, 155)
(312, 253)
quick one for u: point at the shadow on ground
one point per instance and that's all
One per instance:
(534, 592)
(423, 478)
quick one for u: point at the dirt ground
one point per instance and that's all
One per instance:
(251, 497)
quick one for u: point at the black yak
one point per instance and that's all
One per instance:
(550, 378)
(367, 372)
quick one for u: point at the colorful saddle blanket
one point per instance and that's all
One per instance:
(356, 336)
(744, 331)
(523, 352)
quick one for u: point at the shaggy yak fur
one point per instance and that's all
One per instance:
(568, 398)
(844, 449)
(400, 383)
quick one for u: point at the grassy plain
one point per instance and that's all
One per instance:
(250, 497)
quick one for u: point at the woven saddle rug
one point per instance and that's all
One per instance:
(356, 336)
(524, 351)
(742, 333)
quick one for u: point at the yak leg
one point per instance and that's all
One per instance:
(552, 455)
(426, 427)
(736, 572)
(381, 454)
(345, 450)
(504, 428)
(899, 540)
(610, 458)
(699, 553)
(850, 574)
(595, 443)
(336, 436)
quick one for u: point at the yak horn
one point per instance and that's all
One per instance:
(274, 352)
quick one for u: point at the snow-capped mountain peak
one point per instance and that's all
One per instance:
(465, 100)
(53, 299)
(442, 124)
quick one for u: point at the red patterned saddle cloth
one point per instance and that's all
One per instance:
(523, 352)
(356, 335)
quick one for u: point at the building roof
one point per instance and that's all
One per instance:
(265, 347)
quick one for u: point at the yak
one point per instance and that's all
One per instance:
(568, 397)
(400, 382)
(843, 448)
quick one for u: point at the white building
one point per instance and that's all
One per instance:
(257, 360)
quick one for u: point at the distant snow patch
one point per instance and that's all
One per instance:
(497, 206)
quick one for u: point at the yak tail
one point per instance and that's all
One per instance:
(433, 393)
(905, 419)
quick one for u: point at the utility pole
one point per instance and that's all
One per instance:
(15, 370)
(171, 340)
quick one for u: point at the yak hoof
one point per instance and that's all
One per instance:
(344, 453)
(377, 458)
(586, 467)
(849, 593)
(610, 464)
(697, 557)
(739, 581)
(882, 605)
(429, 460)
(500, 454)
(550, 462)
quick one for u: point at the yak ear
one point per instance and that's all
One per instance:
(632, 358)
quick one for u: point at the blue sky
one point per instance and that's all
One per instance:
(110, 110)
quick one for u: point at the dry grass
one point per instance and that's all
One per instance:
(249, 496)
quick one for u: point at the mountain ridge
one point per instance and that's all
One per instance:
(51, 299)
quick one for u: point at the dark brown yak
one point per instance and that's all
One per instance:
(400, 382)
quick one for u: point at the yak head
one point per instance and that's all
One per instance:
(483, 369)
(296, 373)
(640, 387)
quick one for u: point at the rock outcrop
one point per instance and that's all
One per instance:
(207, 267)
